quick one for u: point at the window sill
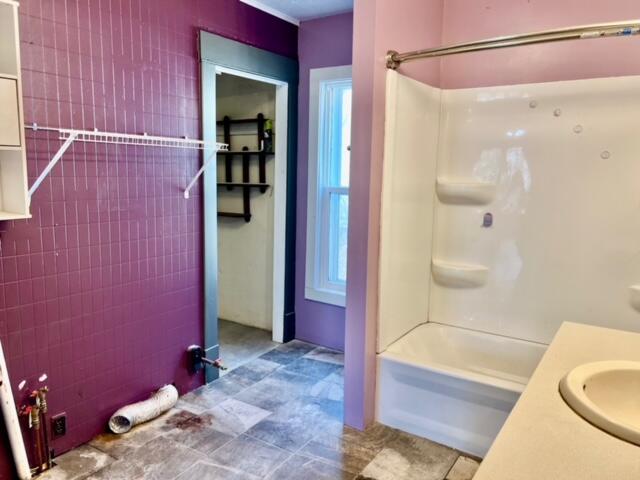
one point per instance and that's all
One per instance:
(330, 297)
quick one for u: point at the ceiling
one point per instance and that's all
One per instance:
(296, 11)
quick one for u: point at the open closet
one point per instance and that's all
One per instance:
(245, 114)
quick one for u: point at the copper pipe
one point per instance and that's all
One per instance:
(35, 425)
(12, 422)
(42, 394)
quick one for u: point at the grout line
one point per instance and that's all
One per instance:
(202, 453)
(289, 452)
(225, 443)
(95, 448)
(451, 467)
(323, 460)
(279, 465)
(304, 445)
(265, 442)
(214, 464)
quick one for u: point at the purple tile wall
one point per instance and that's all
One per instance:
(102, 288)
(325, 42)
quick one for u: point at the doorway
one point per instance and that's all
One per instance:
(248, 306)
(249, 229)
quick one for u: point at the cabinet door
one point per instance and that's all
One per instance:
(9, 117)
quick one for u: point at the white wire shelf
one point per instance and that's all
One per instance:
(69, 135)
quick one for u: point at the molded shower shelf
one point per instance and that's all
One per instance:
(465, 193)
(458, 275)
(634, 296)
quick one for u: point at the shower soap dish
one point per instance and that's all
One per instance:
(458, 275)
(456, 192)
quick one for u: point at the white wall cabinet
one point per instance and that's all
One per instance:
(10, 113)
(14, 199)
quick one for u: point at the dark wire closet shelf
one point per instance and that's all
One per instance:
(264, 142)
(242, 184)
(244, 152)
(233, 215)
(240, 120)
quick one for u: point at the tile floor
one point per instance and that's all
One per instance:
(277, 417)
(240, 343)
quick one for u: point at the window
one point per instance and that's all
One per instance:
(328, 192)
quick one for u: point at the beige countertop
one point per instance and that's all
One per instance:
(543, 439)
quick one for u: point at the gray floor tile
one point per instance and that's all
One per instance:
(410, 458)
(207, 471)
(78, 464)
(299, 467)
(123, 469)
(261, 368)
(297, 346)
(276, 390)
(327, 390)
(288, 352)
(199, 433)
(336, 377)
(202, 399)
(241, 343)
(160, 459)
(295, 424)
(290, 434)
(250, 455)
(326, 355)
(252, 372)
(230, 384)
(332, 409)
(243, 377)
(464, 469)
(283, 358)
(235, 417)
(350, 449)
(312, 368)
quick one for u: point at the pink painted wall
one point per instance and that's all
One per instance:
(464, 20)
(325, 42)
(405, 25)
(378, 26)
(103, 288)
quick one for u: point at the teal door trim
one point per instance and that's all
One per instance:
(215, 52)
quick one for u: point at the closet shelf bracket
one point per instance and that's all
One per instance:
(204, 166)
(96, 136)
(52, 163)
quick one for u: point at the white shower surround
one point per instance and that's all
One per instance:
(564, 243)
(556, 165)
(407, 214)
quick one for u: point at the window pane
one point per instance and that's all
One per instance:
(335, 136)
(346, 137)
(329, 191)
(338, 226)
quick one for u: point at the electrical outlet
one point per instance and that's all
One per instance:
(59, 425)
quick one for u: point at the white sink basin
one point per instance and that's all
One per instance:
(607, 394)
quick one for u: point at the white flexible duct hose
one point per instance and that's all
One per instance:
(11, 422)
(127, 417)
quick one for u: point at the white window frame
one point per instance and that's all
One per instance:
(316, 276)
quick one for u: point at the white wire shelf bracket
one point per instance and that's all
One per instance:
(204, 166)
(69, 135)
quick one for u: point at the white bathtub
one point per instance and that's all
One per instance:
(453, 386)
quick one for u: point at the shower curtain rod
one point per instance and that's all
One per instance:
(598, 30)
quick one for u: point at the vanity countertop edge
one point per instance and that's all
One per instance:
(543, 438)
